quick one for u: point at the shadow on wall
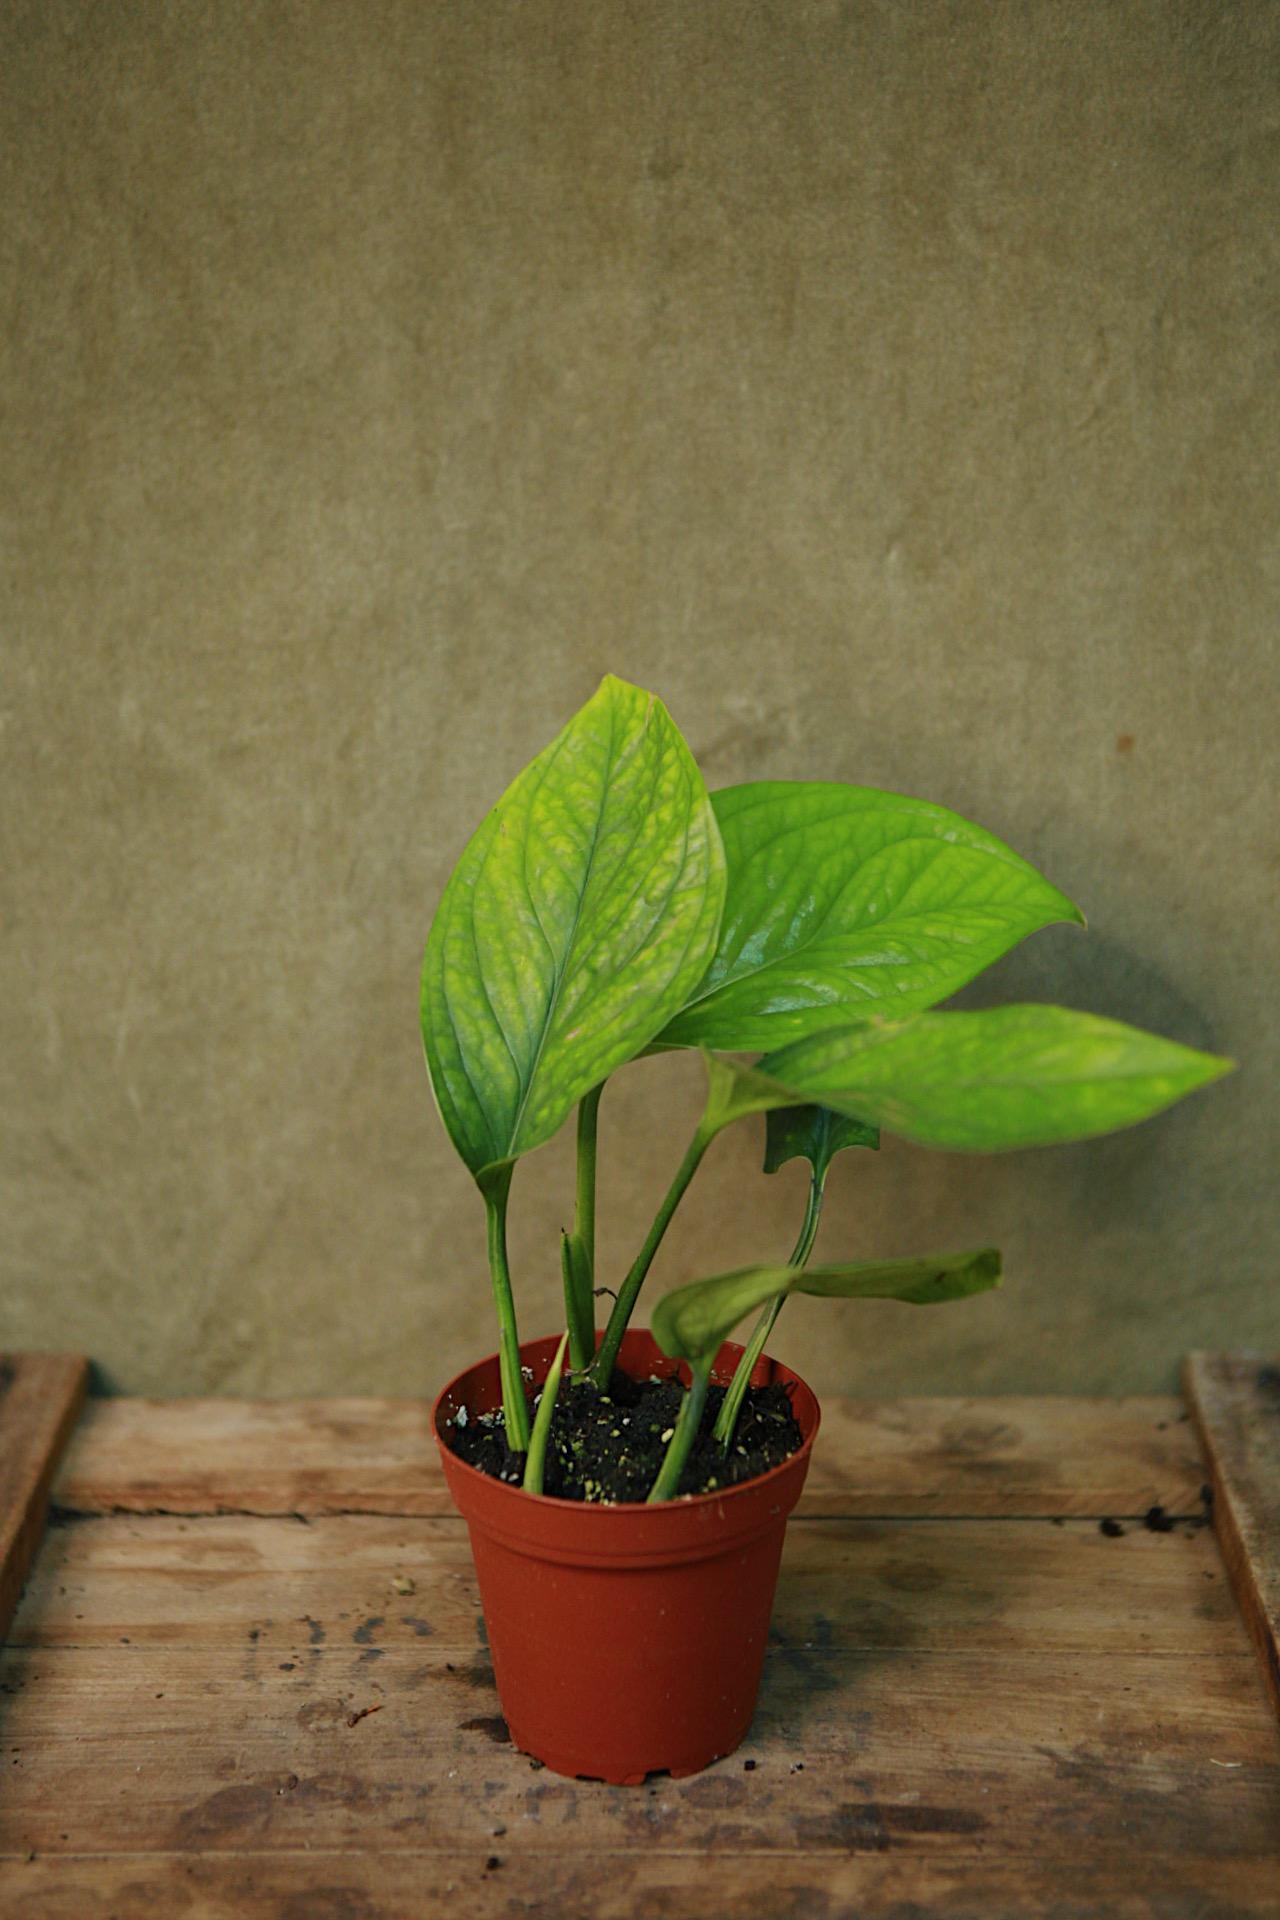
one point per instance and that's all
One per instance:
(1097, 974)
(1122, 1179)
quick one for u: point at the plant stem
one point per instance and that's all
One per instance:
(535, 1460)
(577, 1309)
(578, 1251)
(584, 1220)
(809, 1226)
(515, 1408)
(683, 1436)
(730, 1406)
(607, 1356)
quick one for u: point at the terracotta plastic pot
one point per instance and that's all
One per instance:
(626, 1640)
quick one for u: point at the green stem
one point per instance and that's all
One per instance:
(584, 1222)
(535, 1460)
(731, 1405)
(623, 1307)
(578, 1250)
(578, 1303)
(683, 1436)
(515, 1407)
(809, 1226)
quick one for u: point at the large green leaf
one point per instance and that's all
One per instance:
(1020, 1076)
(581, 914)
(843, 901)
(815, 1134)
(691, 1322)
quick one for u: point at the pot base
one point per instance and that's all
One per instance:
(567, 1768)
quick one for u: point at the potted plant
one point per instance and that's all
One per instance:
(627, 1492)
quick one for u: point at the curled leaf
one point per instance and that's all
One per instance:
(693, 1321)
(815, 1134)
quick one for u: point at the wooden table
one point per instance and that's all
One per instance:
(248, 1677)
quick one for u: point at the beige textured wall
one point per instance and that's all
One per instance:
(893, 387)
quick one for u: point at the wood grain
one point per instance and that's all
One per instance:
(975, 1705)
(40, 1396)
(1236, 1402)
(337, 1884)
(114, 1750)
(977, 1586)
(1011, 1457)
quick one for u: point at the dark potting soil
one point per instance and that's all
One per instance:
(607, 1447)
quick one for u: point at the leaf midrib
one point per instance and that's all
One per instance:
(1022, 1079)
(562, 967)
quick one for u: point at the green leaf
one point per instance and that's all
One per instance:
(1020, 1076)
(815, 1134)
(691, 1322)
(580, 916)
(734, 1091)
(844, 901)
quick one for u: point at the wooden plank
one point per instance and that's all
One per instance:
(327, 1884)
(966, 1585)
(253, 1456)
(1015, 1456)
(1050, 1457)
(1038, 1689)
(40, 1396)
(1236, 1402)
(1038, 1758)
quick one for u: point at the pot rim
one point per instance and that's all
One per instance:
(624, 1509)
